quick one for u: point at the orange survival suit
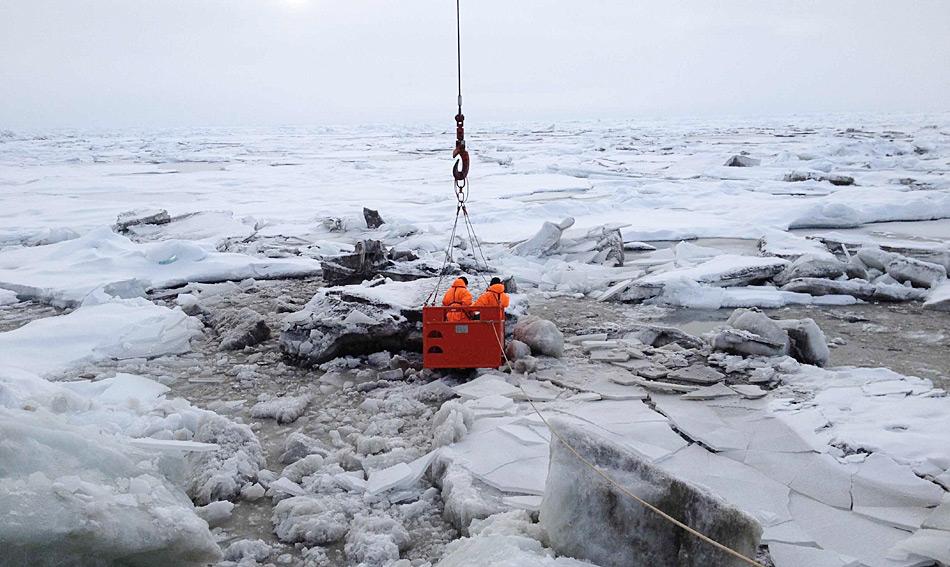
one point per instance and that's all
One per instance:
(494, 296)
(457, 296)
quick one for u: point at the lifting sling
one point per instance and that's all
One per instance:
(454, 336)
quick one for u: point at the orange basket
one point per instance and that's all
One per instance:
(470, 343)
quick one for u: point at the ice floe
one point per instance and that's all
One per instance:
(67, 272)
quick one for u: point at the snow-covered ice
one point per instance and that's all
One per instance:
(67, 272)
(839, 465)
(117, 329)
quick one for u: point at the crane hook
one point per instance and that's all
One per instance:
(460, 152)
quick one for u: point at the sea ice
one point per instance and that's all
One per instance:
(119, 329)
(586, 517)
(66, 272)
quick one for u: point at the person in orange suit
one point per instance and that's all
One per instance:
(457, 296)
(494, 296)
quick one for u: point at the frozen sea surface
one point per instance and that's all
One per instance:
(81, 303)
(667, 181)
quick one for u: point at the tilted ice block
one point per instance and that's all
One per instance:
(587, 518)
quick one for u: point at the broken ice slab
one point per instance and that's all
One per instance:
(700, 423)
(491, 404)
(771, 434)
(931, 544)
(653, 372)
(545, 240)
(787, 532)
(815, 475)
(943, 479)
(592, 345)
(350, 482)
(637, 246)
(584, 397)
(610, 390)
(605, 413)
(121, 388)
(523, 434)
(749, 391)
(128, 219)
(388, 478)
(848, 533)
(719, 390)
(610, 356)
(594, 377)
(787, 555)
(172, 446)
(633, 425)
(502, 460)
(880, 481)
(578, 339)
(485, 385)
(939, 298)
(656, 386)
(525, 476)
(488, 450)
(856, 241)
(287, 486)
(635, 364)
(614, 290)
(626, 379)
(697, 374)
(723, 270)
(420, 466)
(908, 518)
(537, 391)
(741, 160)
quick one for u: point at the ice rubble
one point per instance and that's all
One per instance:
(665, 190)
(508, 539)
(751, 332)
(599, 245)
(66, 272)
(284, 409)
(122, 458)
(365, 492)
(73, 492)
(138, 217)
(699, 277)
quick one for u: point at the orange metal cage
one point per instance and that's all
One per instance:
(469, 343)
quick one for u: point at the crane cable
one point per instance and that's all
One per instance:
(460, 154)
(461, 194)
(459, 169)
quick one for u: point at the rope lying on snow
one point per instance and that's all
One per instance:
(617, 485)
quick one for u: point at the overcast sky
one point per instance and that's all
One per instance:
(114, 63)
